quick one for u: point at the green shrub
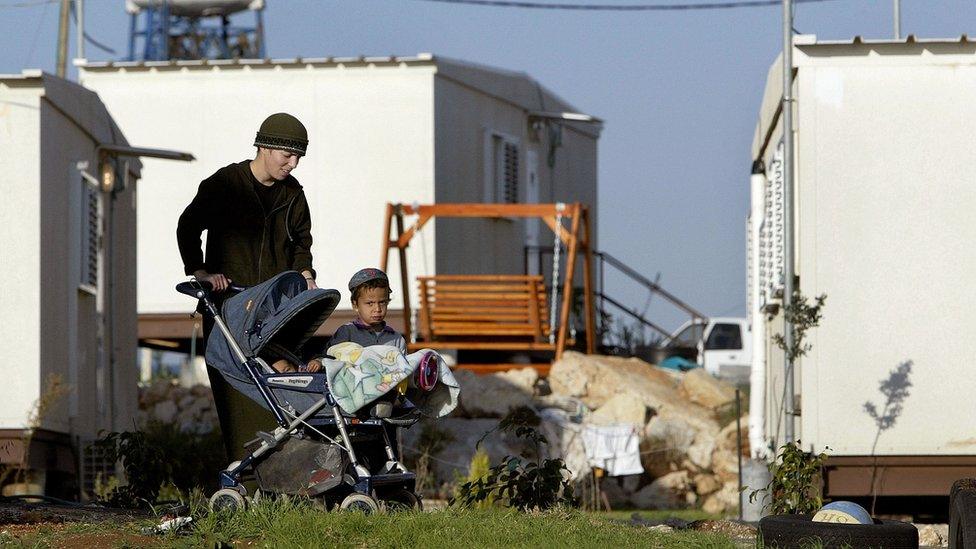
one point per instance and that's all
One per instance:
(795, 487)
(520, 482)
(161, 456)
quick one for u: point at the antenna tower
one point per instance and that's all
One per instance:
(162, 30)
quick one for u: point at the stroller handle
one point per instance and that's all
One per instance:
(201, 289)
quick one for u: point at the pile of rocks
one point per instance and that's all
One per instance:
(688, 451)
(166, 401)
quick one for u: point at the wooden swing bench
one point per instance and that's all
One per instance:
(493, 312)
(484, 312)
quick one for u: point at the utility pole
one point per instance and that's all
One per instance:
(63, 38)
(788, 243)
(897, 14)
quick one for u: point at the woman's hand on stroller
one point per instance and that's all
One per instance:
(218, 280)
(310, 280)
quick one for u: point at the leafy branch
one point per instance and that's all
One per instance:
(519, 482)
(802, 315)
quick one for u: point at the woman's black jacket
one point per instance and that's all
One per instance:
(244, 242)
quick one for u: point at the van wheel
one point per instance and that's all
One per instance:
(962, 514)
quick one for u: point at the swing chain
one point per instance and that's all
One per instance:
(556, 247)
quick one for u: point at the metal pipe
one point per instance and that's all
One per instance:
(603, 290)
(133, 21)
(653, 286)
(80, 39)
(738, 440)
(788, 243)
(635, 316)
(757, 377)
(897, 17)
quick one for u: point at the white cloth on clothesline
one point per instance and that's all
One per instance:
(613, 448)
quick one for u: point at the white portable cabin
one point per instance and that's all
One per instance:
(421, 129)
(884, 226)
(68, 364)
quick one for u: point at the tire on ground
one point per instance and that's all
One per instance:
(962, 514)
(789, 531)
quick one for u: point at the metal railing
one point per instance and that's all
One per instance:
(602, 260)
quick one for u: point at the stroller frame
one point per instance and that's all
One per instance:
(394, 473)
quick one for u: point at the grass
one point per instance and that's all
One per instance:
(289, 524)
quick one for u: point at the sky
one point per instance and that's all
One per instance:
(679, 93)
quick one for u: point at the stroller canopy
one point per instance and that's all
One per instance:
(281, 310)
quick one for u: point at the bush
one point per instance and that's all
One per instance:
(795, 487)
(161, 454)
(520, 482)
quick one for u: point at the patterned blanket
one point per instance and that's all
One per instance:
(360, 375)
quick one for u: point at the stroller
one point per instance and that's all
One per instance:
(330, 445)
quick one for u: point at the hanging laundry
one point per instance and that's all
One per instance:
(613, 448)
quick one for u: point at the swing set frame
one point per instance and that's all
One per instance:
(576, 238)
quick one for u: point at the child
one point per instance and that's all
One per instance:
(370, 298)
(287, 367)
(285, 362)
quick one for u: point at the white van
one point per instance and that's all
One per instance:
(723, 346)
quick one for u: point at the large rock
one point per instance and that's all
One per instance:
(164, 411)
(933, 535)
(565, 441)
(723, 501)
(595, 379)
(571, 405)
(523, 378)
(493, 395)
(728, 437)
(455, 459)
(700, 452)
(620, 408)
(671, 437)
(665, 492)
(705, 484)
(158, 390)
(725, 465)
(702, 388)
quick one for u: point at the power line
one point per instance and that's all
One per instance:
(27, 4)
(87, 37)
(732, 4)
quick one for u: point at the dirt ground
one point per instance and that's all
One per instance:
(74, 525)
(20, 513)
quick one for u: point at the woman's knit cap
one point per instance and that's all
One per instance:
(282, 131)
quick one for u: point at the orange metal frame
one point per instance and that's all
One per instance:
(576, 238)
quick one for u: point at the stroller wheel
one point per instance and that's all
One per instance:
(228, 499)
(403, 500)
(358, 501)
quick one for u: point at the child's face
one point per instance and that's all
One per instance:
(372, 304)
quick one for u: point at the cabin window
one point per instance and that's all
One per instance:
(502, 173)
(688, 337)
(724, 337)
(88, 232)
